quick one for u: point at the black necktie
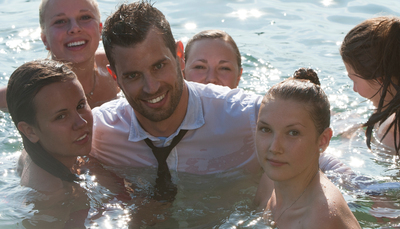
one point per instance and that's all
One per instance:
(164, 190)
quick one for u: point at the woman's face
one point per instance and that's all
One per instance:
(64, 120)
(287, 140)
(368, 89)
(71, 30)
(213, 61)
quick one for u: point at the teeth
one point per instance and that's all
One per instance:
(84, 136)
(156, 100)
(77, 43)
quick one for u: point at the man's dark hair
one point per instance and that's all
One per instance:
(131, 23)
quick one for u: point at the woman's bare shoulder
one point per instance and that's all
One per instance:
(264, 191)
(382, 129)
(101, 58)
(330, 209)
(35, 177)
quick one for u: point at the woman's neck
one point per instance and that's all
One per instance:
(85, 72)
(286, 193)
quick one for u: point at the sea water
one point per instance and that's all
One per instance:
(275, 38)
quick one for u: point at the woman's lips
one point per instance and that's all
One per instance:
(82, 139)
(276, 162)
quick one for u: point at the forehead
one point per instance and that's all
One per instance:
(56, 7)
(143, 54)
(57, 94)
(212, 47)
(284, 112)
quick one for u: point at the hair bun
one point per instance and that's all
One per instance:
(307, 74)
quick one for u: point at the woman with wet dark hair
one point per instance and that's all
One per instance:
(371, 54)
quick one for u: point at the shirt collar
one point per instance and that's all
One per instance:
(194, 118)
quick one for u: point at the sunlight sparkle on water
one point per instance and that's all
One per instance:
(18, 44)
(190, 26)
(184, 39)
(335, 152)
(328, 2)
(243, 14)
(356, 162)
(31, 33)
(254, 222)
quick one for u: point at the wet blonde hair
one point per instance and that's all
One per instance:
(43, 5)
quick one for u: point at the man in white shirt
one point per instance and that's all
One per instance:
(221, 122)
(159, 104)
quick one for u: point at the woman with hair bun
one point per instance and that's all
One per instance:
(292, 131)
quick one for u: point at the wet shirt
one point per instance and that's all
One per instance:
(221, 127)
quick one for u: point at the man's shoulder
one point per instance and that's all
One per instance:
(113, 106)
(113, 111)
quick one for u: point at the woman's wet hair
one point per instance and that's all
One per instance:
(372, 49)
(214, 34)
(304, 87)
(24, 84)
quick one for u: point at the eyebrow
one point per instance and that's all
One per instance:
(354, 74)
(59, 111)
(62, 14)
(220, 62)
(202, 60)
(224, 61)
(161, 60)
(262, 122)
(291, 125)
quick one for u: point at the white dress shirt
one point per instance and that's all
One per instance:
(221, 124)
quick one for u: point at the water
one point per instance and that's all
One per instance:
(275, 38)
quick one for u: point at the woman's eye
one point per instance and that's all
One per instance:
(225, 68)
(58, 22)
(199, 67)
(265, 129)
(86, 17)
(294, 132)
(62, 116)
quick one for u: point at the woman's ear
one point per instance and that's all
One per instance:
(240, 76)
(28, 131)
(44, 40)
(324, 139)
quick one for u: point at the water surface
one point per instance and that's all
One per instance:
(275, 38)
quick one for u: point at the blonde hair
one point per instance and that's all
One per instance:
(43, 5)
